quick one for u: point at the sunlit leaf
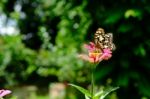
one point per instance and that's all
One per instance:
(133, 13)
(106, 92)
(84, 91)
(98, 94)
(86, 97)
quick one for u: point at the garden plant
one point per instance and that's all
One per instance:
(100, 50)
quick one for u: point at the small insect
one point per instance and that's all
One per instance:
(104, 40)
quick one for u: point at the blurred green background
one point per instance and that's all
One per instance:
(40, 39)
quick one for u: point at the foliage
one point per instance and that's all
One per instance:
(17, 61)
(99, 95)
(54, 30)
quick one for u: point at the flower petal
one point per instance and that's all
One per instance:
(4, 92)
(105, 56)
(107, 50)
(84, 57)
(96, 55)
(90, 47)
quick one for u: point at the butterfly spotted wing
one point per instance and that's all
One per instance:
(104, 40)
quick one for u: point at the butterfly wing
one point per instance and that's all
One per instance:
(103, 40)
(99, 37)
(108, 42)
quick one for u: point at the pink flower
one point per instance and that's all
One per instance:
(107, 54)
(95, 55)
(4, 93)
(91, 47)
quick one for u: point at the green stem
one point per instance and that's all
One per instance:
(92, 82)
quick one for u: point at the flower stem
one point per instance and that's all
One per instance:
(92, 82)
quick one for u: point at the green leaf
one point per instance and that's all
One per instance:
(140, 51)
(98, 94)
(86, 97)
(113, 17)
(106, 92)
(133, 13)
(125, 28)
(84, 91)
(102, 94)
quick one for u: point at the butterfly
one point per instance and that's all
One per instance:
(104, 40)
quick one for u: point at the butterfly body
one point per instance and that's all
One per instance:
(104, 40)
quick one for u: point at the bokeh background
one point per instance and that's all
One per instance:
(40, 39)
